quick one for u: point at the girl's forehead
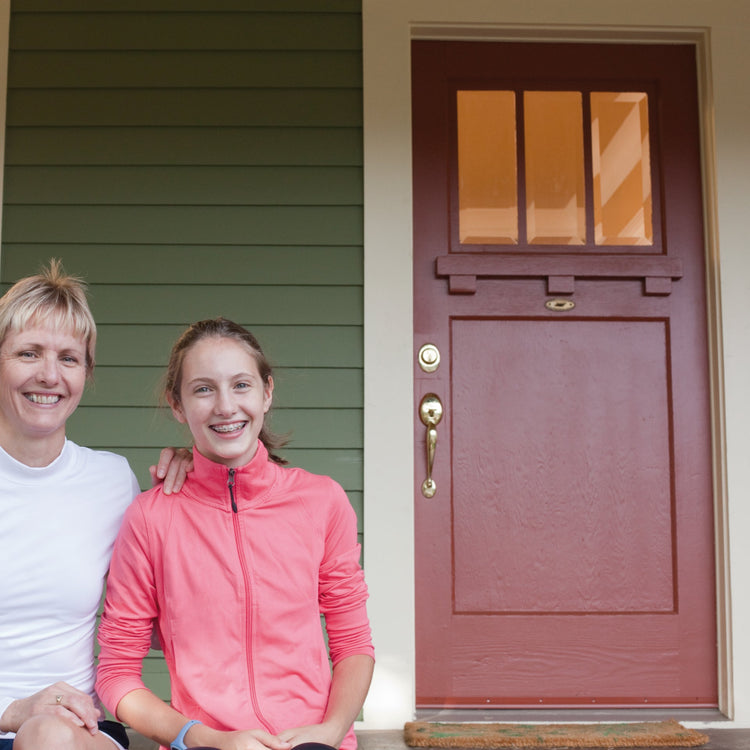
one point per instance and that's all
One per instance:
(214, 351)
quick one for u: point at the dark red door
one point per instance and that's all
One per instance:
(566, 555)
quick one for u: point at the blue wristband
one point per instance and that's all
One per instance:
(178, 743)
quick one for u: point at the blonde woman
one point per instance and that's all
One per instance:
(61, 506)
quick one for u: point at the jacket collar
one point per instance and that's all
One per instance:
(209, 481)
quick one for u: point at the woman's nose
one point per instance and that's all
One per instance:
(49, 372)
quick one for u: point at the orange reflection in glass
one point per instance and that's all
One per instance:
(622, 168)
(487, 172)
(555, 188)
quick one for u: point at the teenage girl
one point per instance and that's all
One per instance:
(235, 571)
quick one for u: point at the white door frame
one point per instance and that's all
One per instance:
(389, 26)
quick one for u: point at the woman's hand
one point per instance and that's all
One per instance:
(174, 465)
(59, 699)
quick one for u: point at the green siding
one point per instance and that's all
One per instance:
(193, 158)
(309, 146)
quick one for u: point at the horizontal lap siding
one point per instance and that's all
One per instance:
(194, 158)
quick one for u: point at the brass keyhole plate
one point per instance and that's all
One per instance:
(560, 305)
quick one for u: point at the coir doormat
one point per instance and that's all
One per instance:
(627, 734)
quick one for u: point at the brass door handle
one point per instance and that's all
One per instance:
(430, 412)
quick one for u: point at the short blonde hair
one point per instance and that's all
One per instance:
(53, 298)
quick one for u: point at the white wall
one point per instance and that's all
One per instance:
(722, 30)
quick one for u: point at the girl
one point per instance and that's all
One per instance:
(235, 570)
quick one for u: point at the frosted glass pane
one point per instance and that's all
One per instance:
(487, 172)
(555, 190)
(622, 169)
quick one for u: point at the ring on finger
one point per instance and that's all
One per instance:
(58, 699)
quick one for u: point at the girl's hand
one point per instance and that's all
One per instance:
(324, 733)
(174, 465)
(59, 699)
(249, 739)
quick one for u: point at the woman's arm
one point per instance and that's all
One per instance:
(351, 681)
(149, 715)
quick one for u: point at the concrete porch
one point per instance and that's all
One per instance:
(392, 739)
(708, 721)
(720, 738)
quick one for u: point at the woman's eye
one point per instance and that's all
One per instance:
(242, 386)
(202, 389)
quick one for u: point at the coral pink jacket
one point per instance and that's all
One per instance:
(235, 571)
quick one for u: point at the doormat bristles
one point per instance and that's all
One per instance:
(626, 734)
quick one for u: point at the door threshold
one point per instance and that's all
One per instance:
(570, 715)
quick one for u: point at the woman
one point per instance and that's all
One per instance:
(235, 570)
(61, 507)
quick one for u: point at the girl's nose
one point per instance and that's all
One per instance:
(224, 404)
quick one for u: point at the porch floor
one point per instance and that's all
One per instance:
(392, 739)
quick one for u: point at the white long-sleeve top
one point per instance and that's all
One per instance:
(58, 525)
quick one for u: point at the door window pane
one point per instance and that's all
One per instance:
(550, 176)
(555, 186)
(487, 172)
(622, 169)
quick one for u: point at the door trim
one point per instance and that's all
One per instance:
(388, 31)
(4, 52)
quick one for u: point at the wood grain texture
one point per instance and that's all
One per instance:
(566, 558)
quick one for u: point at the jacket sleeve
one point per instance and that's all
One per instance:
(129, 612)
(342, 588)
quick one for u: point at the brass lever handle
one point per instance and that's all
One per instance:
(430, 412)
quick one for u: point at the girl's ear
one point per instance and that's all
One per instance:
(268, 394)
(177, 412)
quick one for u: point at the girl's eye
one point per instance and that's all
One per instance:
(202, 389)
(242, 386)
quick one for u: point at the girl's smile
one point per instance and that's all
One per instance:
(223, 399)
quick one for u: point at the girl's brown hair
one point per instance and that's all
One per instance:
(221, 328)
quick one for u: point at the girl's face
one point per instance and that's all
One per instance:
(223, 400)
(42, 377)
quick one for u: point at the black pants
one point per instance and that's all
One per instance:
(113, 728)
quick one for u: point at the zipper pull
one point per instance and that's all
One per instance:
(230, 484)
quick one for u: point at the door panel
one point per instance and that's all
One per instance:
(554, 534)
(566, 557)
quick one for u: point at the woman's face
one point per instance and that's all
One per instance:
(223, 400)
(42, 377)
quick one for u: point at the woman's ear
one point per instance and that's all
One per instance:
(177, 412)
(268, 394)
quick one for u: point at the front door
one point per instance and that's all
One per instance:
(563, 491)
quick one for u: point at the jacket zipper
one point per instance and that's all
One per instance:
(248, 616)
(230, 484)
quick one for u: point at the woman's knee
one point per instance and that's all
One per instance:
(47, 733)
